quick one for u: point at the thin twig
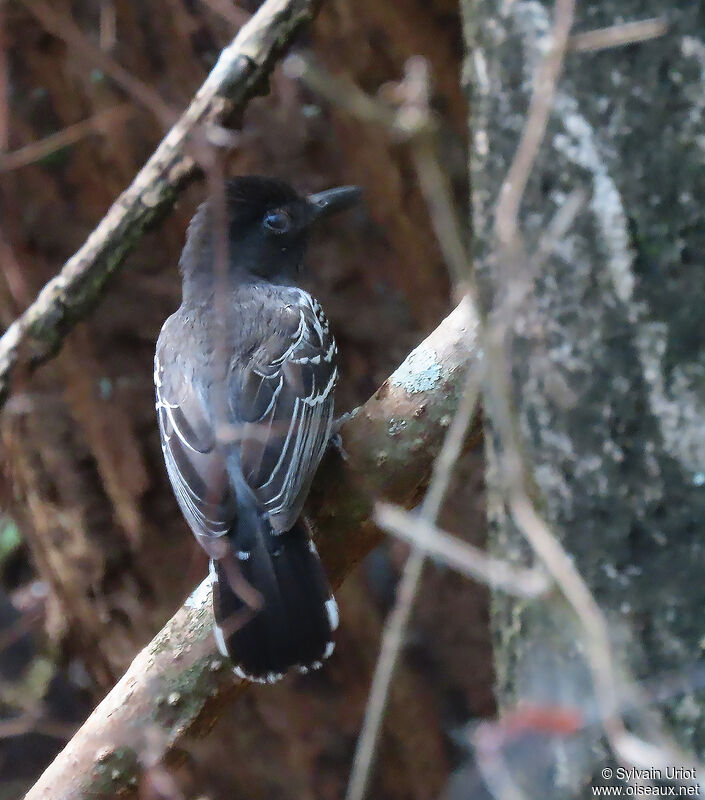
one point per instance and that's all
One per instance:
(63, 27)
(547, 548)
(225, 9)
(35, 723)
(415, 118)
(566, 575)
(108, 25)
(545, 80)
(460, 555)
(452, 447)
(34, 151)
(618, 35)
(14, 278)
(557, 228)
(627, 747)
(410, 120)
(444, 215)
(70, 295)
(392, 641)
(4, 83)
(393, 635)
(342, 92)
(423, 129)
(218, 221)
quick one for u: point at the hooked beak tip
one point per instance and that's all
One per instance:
(333, 200)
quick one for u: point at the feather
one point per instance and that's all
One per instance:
(284, 398)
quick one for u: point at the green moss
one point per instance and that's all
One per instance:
(186, 692)
(198, 628)
(10, 538)
(114, 770)
(48, 328)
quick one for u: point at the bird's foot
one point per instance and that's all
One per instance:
(336, 442)
(340, 421)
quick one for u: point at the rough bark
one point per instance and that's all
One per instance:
(607, 358)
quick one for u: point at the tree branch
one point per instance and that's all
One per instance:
(68, 297)
(177, 683)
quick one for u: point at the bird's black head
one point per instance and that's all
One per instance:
(269, 225)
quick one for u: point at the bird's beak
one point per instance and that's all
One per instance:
(329, 202)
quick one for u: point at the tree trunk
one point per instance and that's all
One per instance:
(606, 348)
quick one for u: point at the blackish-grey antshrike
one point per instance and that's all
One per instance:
(245, 372)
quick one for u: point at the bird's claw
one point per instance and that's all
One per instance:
(339, 422)
(336, 442)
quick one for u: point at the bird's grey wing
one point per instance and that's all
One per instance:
(283, 397)
(196, 466)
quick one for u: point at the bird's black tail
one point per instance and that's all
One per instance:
(272, 604)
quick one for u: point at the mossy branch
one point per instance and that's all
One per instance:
(176, 685)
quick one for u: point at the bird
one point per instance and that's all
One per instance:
(245, 372)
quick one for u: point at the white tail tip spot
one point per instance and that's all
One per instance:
(332, 611)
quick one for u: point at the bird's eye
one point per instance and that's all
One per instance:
(277, 221)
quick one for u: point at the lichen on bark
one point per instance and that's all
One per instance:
(607, 361)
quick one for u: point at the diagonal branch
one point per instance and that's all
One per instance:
(175, 686)
(68, 297)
